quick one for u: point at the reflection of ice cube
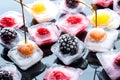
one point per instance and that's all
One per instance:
(13, 71)
(25, 62)
(69, 73)
(107, 61)
(105, 45)
(67, 58)
(13, 43)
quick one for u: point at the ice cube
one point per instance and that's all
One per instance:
(25, 62)
(11, 19)
(68, 57)
(107, 61)
(104, 45)
(72, 23)
(45, 33)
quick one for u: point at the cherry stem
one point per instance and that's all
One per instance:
(23, 21)
(22, 3)
(92, 9)
(96, 18)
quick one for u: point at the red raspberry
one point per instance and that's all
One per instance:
(73, 19)
(117, 60)
(7, 22)
(43, 31)
(57, 75)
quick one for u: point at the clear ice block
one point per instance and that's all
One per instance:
(67, 58)
(49, 12)
(51, 33)
(104, 45)
(11, 19)
(25, 62)
(107, 61)
(73, 23)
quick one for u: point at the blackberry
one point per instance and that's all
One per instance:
(68, 44)
(72, 3)
(7, 35)
(5, 75)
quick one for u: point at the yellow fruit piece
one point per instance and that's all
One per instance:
(38, 7)
(102, 18)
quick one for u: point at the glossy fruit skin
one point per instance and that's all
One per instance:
(5, 75)
(26, 49)
(58, 75)
(7, 22)
(38, 7)
(7, 35)
(117, 60)
(43, 31)
(68, 44)
(71, 3)
(73, 20)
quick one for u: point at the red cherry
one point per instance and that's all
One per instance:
(74, 19)
(43, 31)
(7, 22)
(58, 75)
(117, 60)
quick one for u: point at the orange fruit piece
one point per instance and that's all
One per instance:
(26, 49)
(97, 34)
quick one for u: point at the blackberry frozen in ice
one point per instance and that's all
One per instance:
(5, 75)
(68, 48)
(68, 44)
(9, 72)
(7, 35)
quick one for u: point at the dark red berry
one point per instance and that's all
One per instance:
(72, 3)
(7, 22)
(117, 60)
(73, 19)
